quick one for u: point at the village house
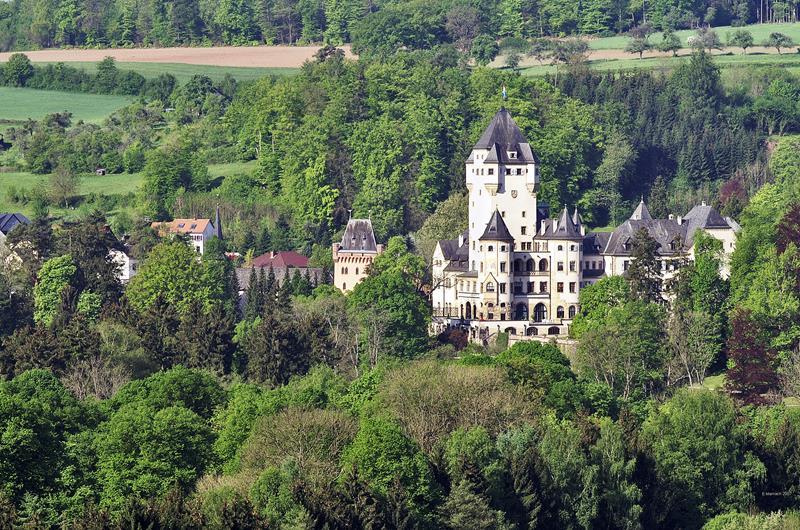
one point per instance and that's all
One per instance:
(9, 221)
(518, 271)
(354, 255)
(284, 264)
(198, 231)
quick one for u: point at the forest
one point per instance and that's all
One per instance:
(168, 403)
(409, 24)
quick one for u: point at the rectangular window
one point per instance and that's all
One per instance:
(502, 288)
(530, 287)
(560, 287)
(625, 265)
(508, 171)
(572, 287)
(524, 230)
(572, 266)
(560, 266)
(502, 266)
(491, 171)
(523, 213)
(542, 287)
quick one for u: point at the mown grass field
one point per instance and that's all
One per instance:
(183, 72)
(790, 61)
(19, 104)
(760, 33)
(120, 184)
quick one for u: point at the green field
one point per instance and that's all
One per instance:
(19, 104)
(183, 72)
(791, 61)
(106, 184)
(760, 33)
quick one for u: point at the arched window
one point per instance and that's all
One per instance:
(356, 270)
(560, 247)
(553, 330)
(521, 311)
(511, 331)
(344, 287)
(529, 265)
(531, 332)
(572, 311)
(543, 265)
(469, 311)
(489, 287)
(559, 312)
(491, 248)
(517, 265)
(540, 313)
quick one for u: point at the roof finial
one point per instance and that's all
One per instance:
(505, 93)
(349, 214)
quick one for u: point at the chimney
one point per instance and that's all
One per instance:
(271, 253)
(680, 220)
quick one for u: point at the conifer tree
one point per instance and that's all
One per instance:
(644, 273)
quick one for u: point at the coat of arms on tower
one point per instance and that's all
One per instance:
(514, 193)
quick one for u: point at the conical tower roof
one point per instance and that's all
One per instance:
(502, 130)
(566, 228)
(496, 229)
(217, 224)
(641, 213)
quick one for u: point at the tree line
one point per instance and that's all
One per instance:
(31, 24)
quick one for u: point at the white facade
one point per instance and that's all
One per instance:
(514, 269)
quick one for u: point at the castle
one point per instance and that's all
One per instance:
(516, 270)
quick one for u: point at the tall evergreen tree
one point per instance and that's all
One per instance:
(644, 272)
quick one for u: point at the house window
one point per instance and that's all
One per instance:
(356, 270)
(560, 266)
(508, 171)
(560, 287)
(502, 248)
(524, 230)
(502, 288)
(519, 171)
(572, 247)
(572, 287)
(512, 154)
(489, 287)
(572, 311)
(491, 248)
(502, 266)
(523, 213)
(559, 312)
(572, 266)
(542, 287)
(491, 171)
(625, 265)
(560, 247)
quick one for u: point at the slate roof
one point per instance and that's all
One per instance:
(563, 228)
(705, 217)
(595, 243)
(641, 213)
(281, 260)
(496, 229)
(9, 220)
(358, 237)
(501, 136)
(664, 231)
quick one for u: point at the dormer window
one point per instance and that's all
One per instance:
(627, 244)
(512, 155)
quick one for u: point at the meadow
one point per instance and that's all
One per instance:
(730, 59)
(119, 184)
(760, 33)
(183, 72)
(19, 104)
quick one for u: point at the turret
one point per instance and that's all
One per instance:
(495, 249)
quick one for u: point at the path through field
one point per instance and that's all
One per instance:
(232, 56)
